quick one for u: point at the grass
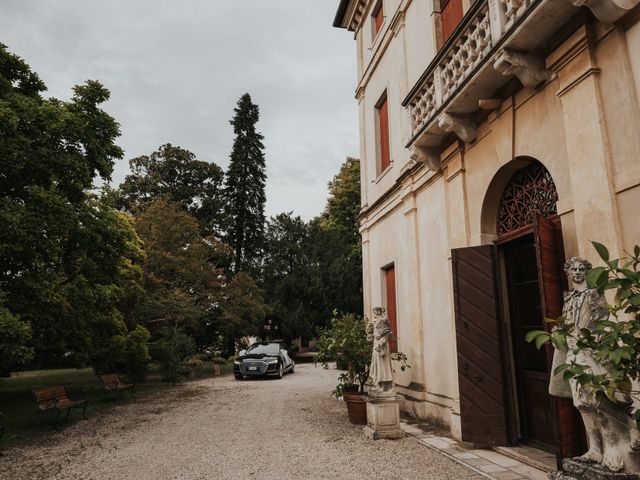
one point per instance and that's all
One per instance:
(18, 407)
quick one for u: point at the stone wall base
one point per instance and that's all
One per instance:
(574, 470)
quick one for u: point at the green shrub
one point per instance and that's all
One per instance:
(218, 361)
(170, 351)
(137, 354)
(14, 337)
(346, 341)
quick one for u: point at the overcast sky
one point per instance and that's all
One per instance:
(176, 69)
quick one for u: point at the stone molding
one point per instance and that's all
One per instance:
(528, 67)
(607, 11)
(464, 127)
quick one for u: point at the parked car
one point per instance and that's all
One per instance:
(263, 358)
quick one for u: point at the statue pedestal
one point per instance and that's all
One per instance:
(574, 470)
(383, 418)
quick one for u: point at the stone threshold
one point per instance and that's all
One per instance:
(485, 462)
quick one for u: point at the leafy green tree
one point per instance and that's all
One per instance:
(336, 254)
(286, 276)
(243, 309)
(175, 174)
(245, 188)
(63, 251)
(182, 279)
(343, 204)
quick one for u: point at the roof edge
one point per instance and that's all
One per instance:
(339, 18)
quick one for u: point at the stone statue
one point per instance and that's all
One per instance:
(380, 368)
(607, 424)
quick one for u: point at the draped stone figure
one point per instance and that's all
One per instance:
(380, 369)
(608, 426)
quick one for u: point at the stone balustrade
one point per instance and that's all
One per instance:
(463, 54)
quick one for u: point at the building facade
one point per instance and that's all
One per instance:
(497, 138)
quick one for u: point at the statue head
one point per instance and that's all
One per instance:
(576, 269)
(378, 311)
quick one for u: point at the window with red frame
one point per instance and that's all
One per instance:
(377, 18)
(390, 284)
(451, 16)
(382, 113)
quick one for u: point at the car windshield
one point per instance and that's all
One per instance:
(263, 349)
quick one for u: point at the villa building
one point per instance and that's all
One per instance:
(498, 137)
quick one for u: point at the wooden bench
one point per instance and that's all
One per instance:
(51, 401)
(112, 383)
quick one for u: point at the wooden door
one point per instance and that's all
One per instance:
(481, 365)
(390, 280)
(531, 367)
(570, 436)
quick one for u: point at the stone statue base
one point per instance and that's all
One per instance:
(383, 418)
(575, 470)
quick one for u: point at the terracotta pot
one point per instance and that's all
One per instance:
(356, 407)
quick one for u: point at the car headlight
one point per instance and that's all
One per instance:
(237, 362)
(271, 361)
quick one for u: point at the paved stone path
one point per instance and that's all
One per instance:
(224, 429)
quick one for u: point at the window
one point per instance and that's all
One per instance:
(382, 120)
(377, 17)
(390, 285)
(451, 16)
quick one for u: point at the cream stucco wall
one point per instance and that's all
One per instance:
(582, 124)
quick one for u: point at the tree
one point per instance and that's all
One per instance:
(14, 338)
(181, 275)
(343, 205)
(336, 247)
(63, 251)
(245, 188)
(286, 276)
(244, 309)
(175, 173)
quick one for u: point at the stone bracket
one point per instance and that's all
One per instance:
(607, 11)
(464, 127)
(528, 67)
(429, 156)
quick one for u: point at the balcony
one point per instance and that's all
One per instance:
(496, 40)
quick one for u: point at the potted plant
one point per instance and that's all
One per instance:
(345, 341)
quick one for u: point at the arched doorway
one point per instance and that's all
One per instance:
(502, 290)
(527, 201)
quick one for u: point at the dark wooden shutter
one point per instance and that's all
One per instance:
(549, 249)
(390, 277)
(383, 123)
(480, 362)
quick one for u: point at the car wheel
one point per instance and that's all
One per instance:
(280, 371)
(238, 377)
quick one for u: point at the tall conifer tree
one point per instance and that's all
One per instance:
(244, 188)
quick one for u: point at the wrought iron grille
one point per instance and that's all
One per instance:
(530, 191)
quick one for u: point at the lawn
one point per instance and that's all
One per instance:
(18, 407)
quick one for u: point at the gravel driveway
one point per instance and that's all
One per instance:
(224, 429)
